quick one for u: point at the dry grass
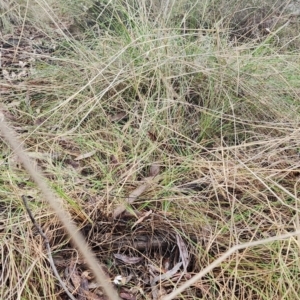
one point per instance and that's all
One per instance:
(132, 85)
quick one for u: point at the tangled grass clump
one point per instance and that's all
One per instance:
(103, 94)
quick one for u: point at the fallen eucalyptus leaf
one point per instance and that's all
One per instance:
(183, 252)
(117, 117)
(85, 155)
(148, 181)
(168, 274)
(154, 169)
(127, 259)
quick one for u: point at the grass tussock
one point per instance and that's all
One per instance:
(102, 93)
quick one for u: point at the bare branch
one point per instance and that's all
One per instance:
(46, 241)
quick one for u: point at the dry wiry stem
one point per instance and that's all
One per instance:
(297, 215)
(72, 230)
(46, 241)
(233, 249)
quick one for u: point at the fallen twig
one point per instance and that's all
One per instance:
(46, 241)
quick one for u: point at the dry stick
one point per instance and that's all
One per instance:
(56, 205)
(297, 212)
(46, 241)
(214, 264)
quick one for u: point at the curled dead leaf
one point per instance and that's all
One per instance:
(117, 117)
(183, 250)
(127, 259)
(127, 296)
(154, 169)
(85, 155)
(75, 277)
(132, 197)
(135, 194)
(169, 274)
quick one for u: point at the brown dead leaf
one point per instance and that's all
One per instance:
(127, 259)
(75, 277)
(92, 296)
(152, 136)
(114, 160)
(115, 163)
(85, 155)
(9, 116)
(177, 277)
(117, 117)
(134, 195)
(69, 146)
(87, 275)
(2, 226)
(127, 296)
(84, 284)
(40, 121)
(83, 292)
(72, 163)
(154, 170)
(168, 274)
(81, 284)
(184, 254)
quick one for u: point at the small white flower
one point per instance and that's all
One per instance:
(118, 280)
